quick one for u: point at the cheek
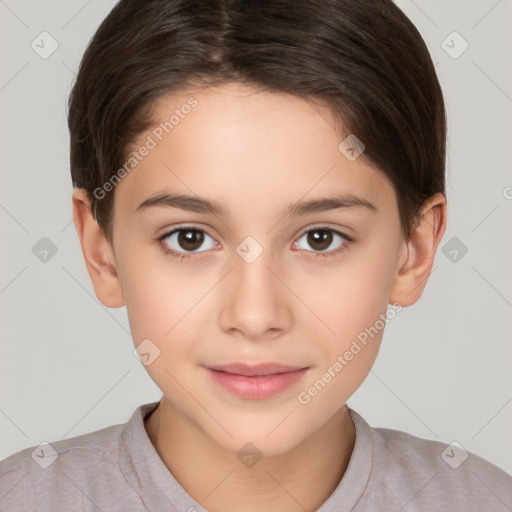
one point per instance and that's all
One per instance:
(154, 293)
(168, 307)
(353, 305)
(161, 326)
(354, 309)
(351, 296)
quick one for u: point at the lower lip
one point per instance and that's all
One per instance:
(256, 388)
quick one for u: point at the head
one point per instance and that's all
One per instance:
(253, 107)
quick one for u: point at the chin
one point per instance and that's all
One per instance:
(268, 442)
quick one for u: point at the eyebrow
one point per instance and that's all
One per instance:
(203, 205)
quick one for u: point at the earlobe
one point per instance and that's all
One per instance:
(412, 274)
(98, 253)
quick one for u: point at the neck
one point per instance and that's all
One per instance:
(300, 479)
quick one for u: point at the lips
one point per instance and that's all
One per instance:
(257, 370)
(255, 382)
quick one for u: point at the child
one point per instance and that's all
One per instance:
(262, 185)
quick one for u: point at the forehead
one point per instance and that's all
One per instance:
(235, 143)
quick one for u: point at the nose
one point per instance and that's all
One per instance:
(255, 303)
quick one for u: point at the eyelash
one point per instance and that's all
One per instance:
(191, 256)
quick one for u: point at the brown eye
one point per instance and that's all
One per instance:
(321, 239)
(186, 239)
(190, 239)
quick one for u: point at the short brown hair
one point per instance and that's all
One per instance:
(363, 59)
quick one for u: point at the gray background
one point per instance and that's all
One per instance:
(67, 363)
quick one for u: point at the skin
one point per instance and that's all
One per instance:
(257, 152)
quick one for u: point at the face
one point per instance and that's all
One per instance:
(254, 281)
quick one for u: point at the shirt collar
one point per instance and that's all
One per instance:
(147, 474)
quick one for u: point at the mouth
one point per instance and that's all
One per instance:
(255, 382)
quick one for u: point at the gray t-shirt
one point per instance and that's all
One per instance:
(118, 469)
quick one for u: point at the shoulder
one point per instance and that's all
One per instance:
(425, 473)
(63, 474)
(91, 447)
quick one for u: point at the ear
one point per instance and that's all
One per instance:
(420, 251)
(98, 253)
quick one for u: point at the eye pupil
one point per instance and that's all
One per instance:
(190, 238)
(324, 239)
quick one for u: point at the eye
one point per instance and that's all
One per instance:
(320, 238)
(185, 242)
(185, 239)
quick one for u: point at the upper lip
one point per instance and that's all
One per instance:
(255, 370)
